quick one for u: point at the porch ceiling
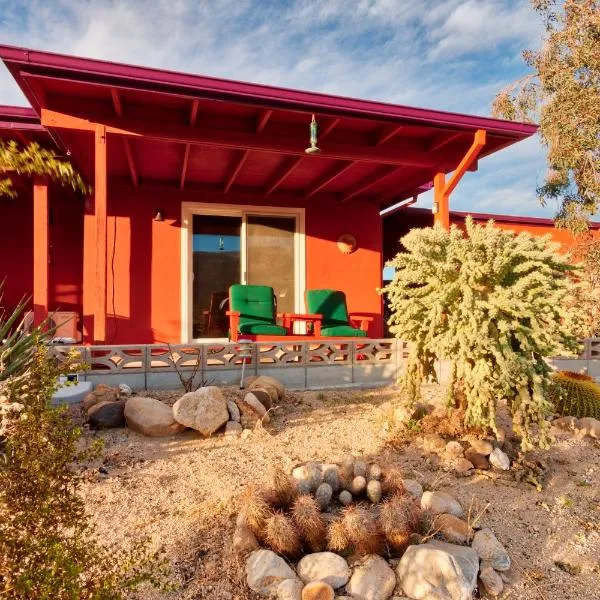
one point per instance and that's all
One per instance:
(187, 131)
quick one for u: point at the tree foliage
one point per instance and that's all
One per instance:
(47, 546)
(35, 160)
(493, 304)
(587, 295)
(563, 93)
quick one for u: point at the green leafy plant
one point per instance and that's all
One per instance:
(493, 304)
(48, 548)
(563, 93)
(586, 251)
(575, 395)
(35, 160)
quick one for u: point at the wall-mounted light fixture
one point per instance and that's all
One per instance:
(313, 149)
(160, 215)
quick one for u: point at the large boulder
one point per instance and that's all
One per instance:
(204, 410)
(252, 410)
(324, 566)
(490, 550)
(101, 393)
(106, 415)
(151, 417)
(265, 571)
(373, 579)
(265, 382)
(438, 570)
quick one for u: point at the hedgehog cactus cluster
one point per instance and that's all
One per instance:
(575, 395)
(354, 509)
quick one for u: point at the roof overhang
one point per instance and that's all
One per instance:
(214, 134)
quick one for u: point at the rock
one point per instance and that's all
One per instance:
(264, 397)
(102, 393)
(360, 469)
(454, 449)
(252, 409)
(345, 497)
(317, 590)
(590, 427)
(264, 382)
(348, 467)
(204, 410)
(568, 423)
(479, 461)
(455, 530)
(323, 495)
(372, 579)
(481, 447)
(124, 390)
(234, 411)
(462, 465)
(309, 472)
(244, 540)
(290, 589)
(374, 492)
(327, 567)
(151, 417)
(432, 442)
(358, 485)
(105, 415)
(303, 486)
(413, 487)
(265, 571)
(499, 460)
(450, 573)
(331, 476)
(489, 549)
(491, 581)
(374, 472)
(232, 428)
(441, 502)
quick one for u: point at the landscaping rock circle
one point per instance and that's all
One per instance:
(265, 570)
(151, 417)
(372, 579)
(290, 589)
(413, 487)
(318, 590)
(327, 567)
(106, 415)
(204, 410)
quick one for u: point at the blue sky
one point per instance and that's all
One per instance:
(445, 54)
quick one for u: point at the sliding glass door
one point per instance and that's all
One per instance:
(240, 247)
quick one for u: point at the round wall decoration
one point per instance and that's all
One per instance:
(346, 243)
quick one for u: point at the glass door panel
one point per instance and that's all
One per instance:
(270, 257)
(216, 256)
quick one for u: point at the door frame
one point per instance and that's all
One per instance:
(189, 209)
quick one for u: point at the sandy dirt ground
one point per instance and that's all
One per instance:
(182, 493)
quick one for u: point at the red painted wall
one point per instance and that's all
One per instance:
(65, 252)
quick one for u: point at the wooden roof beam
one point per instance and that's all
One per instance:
(283, 173)
(386, 133)
(130, 162)
(263, 119)
(117, 104)
(237, 165)
(326, 179)
(194, 111)
(441, 140)
(371, 180)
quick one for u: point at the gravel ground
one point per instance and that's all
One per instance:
(182, 492)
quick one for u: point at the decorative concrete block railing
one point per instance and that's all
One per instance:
(299, 365)
(589, 359)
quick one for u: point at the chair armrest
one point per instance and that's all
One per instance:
(363, 320)
(234, 322)
(314, 319)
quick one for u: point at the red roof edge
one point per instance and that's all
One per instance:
(158, 80)
(18, 113)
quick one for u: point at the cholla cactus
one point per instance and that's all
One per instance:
(493, 304)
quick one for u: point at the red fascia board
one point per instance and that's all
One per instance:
(14, 113)
(269, 96)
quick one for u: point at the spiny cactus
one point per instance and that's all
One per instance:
(337, 536)
(362, 531)
(285, 488)
(392, 481)
(399, 519)
(309, 523)
(281, 535)
(256, 510)
(575, 394)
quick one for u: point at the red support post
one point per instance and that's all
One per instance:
(41, 245)
(100, 202)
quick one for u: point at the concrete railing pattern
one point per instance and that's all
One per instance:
(300, 365)
(588, 360)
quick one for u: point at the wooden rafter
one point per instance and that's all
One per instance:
(188, 147)
(328, 128)
(263, 119)
(386, 133)
(243, 141)
(442, 140)
(371, 180)
(116, 98)
(238, 163)
(282, 174)
(328, 177)
(130, 161)
(194, 111)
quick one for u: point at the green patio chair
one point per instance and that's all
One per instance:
(252, 312)
(336, 321)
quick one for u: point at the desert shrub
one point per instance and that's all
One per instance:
(493, 304)
(586, 251)
(575, 395)
(48, 548)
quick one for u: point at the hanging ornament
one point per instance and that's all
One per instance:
(313, 138)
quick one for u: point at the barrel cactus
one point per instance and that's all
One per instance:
(575, 394)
